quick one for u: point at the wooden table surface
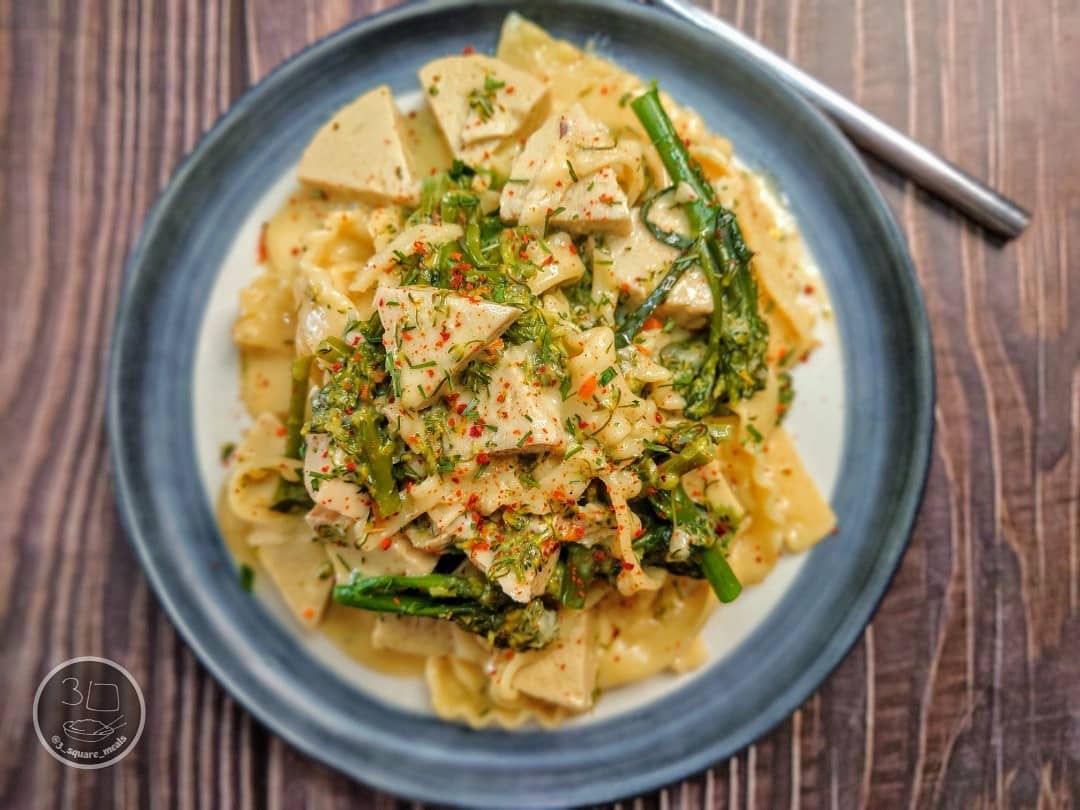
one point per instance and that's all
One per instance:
(965, 690)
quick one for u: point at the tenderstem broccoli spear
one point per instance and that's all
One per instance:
(669, 499)
(475, 604)
(733, 367)
(291, 495)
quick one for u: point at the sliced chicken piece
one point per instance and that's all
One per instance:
(594, 204)
(565, 672)
(532, 583)
(524, 416)
(433, 531)
(431, 334)
(328, 524)
(333, 494)
(478, 101)
(559, 264)
(572, 174)
(394, 556)
(359, 151)
(418, 239)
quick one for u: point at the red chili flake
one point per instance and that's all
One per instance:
(475, 431)
(548, 260)
(324, 469)
(455, 256)
(587, 388)
(809, 289)
(350, 466)
(573, 249)
(280, 431)
(510, 90)
(483, 458)
(419, 247)
(628, 566)
(338, 366)
(468, 50)
(652, 323)
(659, 418)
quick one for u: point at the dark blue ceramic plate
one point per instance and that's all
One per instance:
(888, 389)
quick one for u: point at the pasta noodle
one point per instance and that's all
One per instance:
(504, 432)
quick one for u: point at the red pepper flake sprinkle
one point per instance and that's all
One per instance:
(280, 431)
(652, 323)
(483, 458)
(468, 50)
(588, 388)
(385, 544)
(475, 431)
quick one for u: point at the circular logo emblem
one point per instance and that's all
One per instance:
(89, 712)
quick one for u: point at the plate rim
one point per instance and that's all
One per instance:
(820, 667)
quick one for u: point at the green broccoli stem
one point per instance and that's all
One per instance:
(580, 569)
(377, 466)
(405, 604)
(718, 572)
(292, 496)
(435, 585)
(633, 323)
(733, 366)
(472, 603)
(301, 373)
(650, 112)
(698, 451)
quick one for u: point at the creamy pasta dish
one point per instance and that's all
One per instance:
(517, 361)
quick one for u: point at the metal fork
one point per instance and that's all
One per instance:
(963, 192)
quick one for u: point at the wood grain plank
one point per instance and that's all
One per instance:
(965, 690)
